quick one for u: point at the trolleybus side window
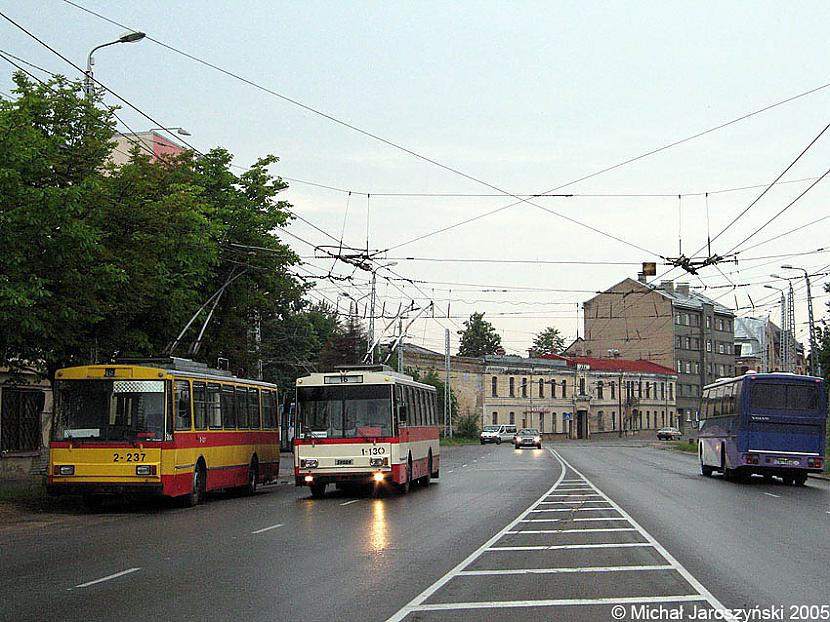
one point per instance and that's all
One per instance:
(410, 405)
(200, 411)
(253, 409)
(228, 408)
(242, 419)
(214, 404)
(183, 417)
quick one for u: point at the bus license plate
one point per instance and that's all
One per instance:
(341, 461)
(787, 461)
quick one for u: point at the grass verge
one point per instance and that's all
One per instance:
(684, 446)
(459, 440)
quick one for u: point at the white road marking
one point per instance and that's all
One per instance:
(769, 494)
(557, 520)
(697, 585)
(573, 502)
(417, 602)
(623, 600)
(573, 530)
(482, 573)
(267, 528)
(350, 502)
(109, 577)
(590, 494)
(573, 510)
(463, 465)
(560, 547)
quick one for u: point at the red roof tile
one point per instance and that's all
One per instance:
(619, 365)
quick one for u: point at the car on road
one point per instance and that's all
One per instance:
(497, 433)
(668, 434)
(528, 437)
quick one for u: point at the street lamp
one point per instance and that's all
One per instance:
(815, 366)
(179, 130)
(127, 37)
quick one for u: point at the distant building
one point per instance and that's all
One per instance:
(671, 326)
(152, 142)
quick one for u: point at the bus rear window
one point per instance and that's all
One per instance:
(784, 397)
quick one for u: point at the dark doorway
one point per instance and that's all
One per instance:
(581, 424)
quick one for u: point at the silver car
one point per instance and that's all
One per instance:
(528, 437)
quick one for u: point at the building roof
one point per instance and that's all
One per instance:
(616, 365)
(685, 298)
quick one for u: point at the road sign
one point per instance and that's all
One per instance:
(567, 416)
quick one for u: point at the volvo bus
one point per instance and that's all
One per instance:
(170, 427)
(366, 425)
(772, 424)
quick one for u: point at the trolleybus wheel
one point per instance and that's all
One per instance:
(800, 479)
(404, 488)
(197, 493)
(425, 480)
(318, 490)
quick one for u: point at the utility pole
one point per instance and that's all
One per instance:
(372, 320)
(815, 367)
(447, 400)
(400, 345)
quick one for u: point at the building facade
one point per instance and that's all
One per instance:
(151, 142)
(25, 423)
(667, 325)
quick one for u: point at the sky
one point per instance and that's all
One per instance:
(489, 100)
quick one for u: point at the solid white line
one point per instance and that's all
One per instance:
(561, 547)
(573, 509)
(109, 577)
(599, 518)
(591, 494)
(417, 602)
(561, 602)
(267, 528)
(769, 494)
(697, 585)
(558, 520)
(573, 530)
(350, 502)
(481, 573)
(572, 481)
(572, 502)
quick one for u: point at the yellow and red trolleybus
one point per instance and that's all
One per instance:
(365, 424)
(169, 427)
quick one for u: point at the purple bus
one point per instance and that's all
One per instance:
(768, 424)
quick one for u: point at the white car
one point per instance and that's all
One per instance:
(497, 433)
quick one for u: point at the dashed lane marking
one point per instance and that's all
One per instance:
(769, 494)
(573, 530)
(264, 529)
(523, 571)
(560, 602)
(561, 547)
(350, 502)
(109, 577)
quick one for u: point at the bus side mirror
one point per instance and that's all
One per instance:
(402, 414)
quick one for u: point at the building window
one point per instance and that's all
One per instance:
(512, 387)
(582, 386)
(613, 390)
(639, 388)
(20, 428)
(599, 390)
(677, 319)
(613, 419)
(541, 423)
(648, 390)
(495, 418)
(553, 388)
(708, 321)
(720, 324)
(512, 418)
(541, 388)
(671, 391)
(524, 387)
(601, 421)
(679, 366)
(688, 343)
(494, 386)
(553, 422)
(697, 367)
(662, 390)
(708, 345)
(564, 388)
(678, 341)
(524, 422)
(720, 348)
(648, 419)
(688, 367)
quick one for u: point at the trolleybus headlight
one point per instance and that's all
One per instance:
(145, 469)
(308, 479)
(65, 469)
(378, 477)
(376, 462)
(308, 463)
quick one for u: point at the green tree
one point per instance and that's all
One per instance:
(549, 341)
(346, 347)
(102, 261)
(479, 337)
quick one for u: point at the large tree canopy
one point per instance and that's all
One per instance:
(101, 261)
(479, 337)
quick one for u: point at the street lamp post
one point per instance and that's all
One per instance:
(129, 37)
(815, 366)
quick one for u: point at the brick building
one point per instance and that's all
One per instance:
(671, 326)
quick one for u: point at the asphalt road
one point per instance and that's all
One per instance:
(501, 534)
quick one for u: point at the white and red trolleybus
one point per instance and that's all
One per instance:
(365, 424)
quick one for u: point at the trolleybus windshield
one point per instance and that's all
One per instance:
(109, 410)
(345, 411)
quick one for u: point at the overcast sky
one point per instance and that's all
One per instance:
(523, 96)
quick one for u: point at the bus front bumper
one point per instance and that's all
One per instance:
(56, 488)
(375, 477)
